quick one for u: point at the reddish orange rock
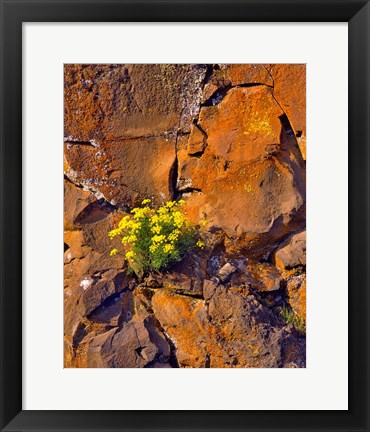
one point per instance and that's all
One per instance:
(248, 74)
(249, 181)
(116, 101)
(185, 321)
(251, 201)
(124, 172)
(290, 92)
(197, 141)
(241, 127)
(229, 331)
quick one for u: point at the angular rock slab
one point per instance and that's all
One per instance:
(290, 92)
(104, 102)
(124, 172)
(130, 347)
(240, 74)
(293, 254)
(243, 124)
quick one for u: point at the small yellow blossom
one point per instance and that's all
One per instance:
(113, 252)
(200, 244)
(153, 248)
(146, 201)
(168, 248)
(170, 204)
(130, 254)
(156, 229)
(158, 239)
(174, 236)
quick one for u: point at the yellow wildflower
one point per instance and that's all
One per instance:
(174, 236)
(168, 248)
(156, 229)
(130, 254)
(146, 201)
(153, 248)
(123, 222)
(200, 244)
(162, 210)
(158, 238)
(113, 252)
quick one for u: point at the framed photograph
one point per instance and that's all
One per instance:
(205, 166)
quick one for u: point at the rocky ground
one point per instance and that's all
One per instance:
(230, 141)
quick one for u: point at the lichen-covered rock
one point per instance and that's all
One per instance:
(121, 123)
(242, 126)
(249, 334)
(233, 331)
(240, 74)
(264, 277)
(124, 172)
(116, 101)
(184, 320)
(250, 180)
(197, 141)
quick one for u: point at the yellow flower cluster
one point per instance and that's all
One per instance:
(153, 238)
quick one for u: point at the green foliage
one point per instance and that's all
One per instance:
(290, 317)
(152, 239)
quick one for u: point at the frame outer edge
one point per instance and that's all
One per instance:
(11, 214)
(359, 216)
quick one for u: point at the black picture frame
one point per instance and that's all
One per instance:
(13, 14)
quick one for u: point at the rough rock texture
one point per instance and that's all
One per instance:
(291, 260)
(293, 254)
(290, 91)
(296, 290)
(137, 344)
(123, 120)
(233, 330)
(231, 141)
(251, 160)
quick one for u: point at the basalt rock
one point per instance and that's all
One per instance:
(293, 254)
(131, 346)
(290, 91)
